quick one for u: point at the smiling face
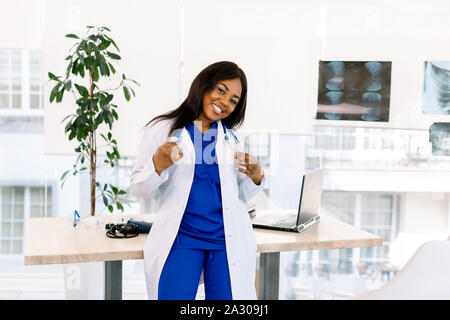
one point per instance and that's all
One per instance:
(220, 102)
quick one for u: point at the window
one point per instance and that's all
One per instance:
(21, 81)
(373, 212)
(334, 138)
(16, 204)
(377, 216)
(258, 145)
(36, 81)
(12, 213)
(37, 202)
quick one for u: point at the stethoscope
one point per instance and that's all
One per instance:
(176, 138)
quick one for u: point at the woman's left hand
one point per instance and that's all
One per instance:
(251, 167)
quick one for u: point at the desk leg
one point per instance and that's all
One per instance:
(113, 280)
(269, 275)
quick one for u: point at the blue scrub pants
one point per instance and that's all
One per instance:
(181, 274)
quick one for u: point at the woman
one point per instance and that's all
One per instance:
(202, 227)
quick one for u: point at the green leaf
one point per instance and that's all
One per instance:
(114, 189)
(110, 208)
(68, 127)
(119, 206)
(96, 74)
(105, 44)
(112, 68)
(99, 118)
(102, 63)
(69, 67)
(59, 95)
(113, 55)
(64, 174)
(71, 35)
(135, 82)
(66, 117)
(72, 134)
(75, 67)
(110, 119)
(93, 37)
(122, 192)
(52, 76)
(109, 98)
(105, 200)
(126, 93)
(114, 113)
(116, 152)
(68, 85)
(82, 90)
(54, 92)
(107, 72)
(81, 70)
(112, 41)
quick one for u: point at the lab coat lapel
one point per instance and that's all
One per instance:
(187, 147)
(224, 151)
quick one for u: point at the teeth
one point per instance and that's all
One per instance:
(218, 110)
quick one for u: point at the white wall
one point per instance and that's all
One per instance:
(425, 213)
(277, 43)
(147, 34)
(21, 23)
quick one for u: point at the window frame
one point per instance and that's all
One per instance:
(25, 91)
(26, 214)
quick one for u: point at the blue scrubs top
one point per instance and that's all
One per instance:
(202, 223)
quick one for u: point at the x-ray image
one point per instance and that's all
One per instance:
(354, 90)
(436, 88)
(440, 139)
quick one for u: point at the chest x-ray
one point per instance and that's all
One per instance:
(440, 139)
(436, 88)
(354, 90)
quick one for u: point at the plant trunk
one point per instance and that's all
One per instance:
(92, 172)
(92, 148)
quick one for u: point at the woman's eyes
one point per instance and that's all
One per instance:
(223, 92)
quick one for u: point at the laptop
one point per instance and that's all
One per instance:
(305, 216)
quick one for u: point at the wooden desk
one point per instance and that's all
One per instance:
(56, 241)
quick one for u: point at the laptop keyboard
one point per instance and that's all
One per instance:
(287, 222)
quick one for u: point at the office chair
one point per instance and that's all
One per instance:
(426, 275)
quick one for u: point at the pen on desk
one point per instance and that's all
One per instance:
(76, 218)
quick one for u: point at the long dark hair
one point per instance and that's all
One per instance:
(206, 80)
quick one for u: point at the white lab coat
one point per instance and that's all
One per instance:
(174, 184)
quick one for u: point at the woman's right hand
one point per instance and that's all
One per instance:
(166, 155)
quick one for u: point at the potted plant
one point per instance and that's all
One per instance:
(91, 59)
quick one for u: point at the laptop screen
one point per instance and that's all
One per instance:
(310, 196)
